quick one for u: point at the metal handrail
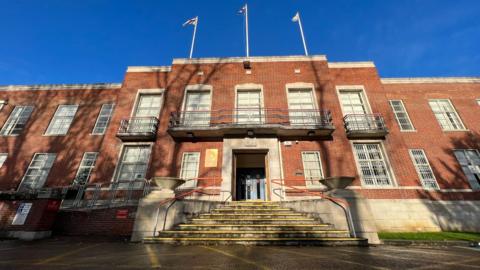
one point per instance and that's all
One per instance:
(251, 116)
(364, 122)
(138, 125)
(337, 201)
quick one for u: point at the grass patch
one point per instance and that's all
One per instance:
(430, 236)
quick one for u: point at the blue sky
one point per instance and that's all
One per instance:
(87, 41)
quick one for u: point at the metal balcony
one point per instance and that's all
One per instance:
(138, 129)
(279, 122)
(365, 126)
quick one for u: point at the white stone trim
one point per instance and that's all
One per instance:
(431, 80)
(446, 190)
(91, 86)
(290, 58)
(366, 64)
(149, 69)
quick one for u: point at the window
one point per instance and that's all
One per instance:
(3, 157)
(446, 115)
(469, 160)
(197, 108)
(301, 107)
(478, 101)
(2, 103)
(249, 107)
(85, 168)
(38, 171)
(62, 119)
(133, 163)
(312, 168)
(401, 115)
(17, 120)
(423, 168)
(103, 119)
(149, 105)
(189, 169)
(352, 102)
(373, 168)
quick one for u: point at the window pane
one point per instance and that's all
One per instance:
(62, 120)
(149, 105)
(401, 115)
(3, 157)
(103, 119)
(469, 160)
(425, 173)
(85, 168)
(134, 163)
(189, 169)
(37, 172)
(372, 164)
(446, 115)
(17, 120)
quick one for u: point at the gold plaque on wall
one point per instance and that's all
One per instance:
(211, 156)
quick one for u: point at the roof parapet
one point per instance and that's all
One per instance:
(431, 80)
(366, 64)
(214, 60)
(91, 86)
(149, 69)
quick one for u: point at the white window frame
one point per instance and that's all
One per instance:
(478, 101)
(390, 171)
(474, 186)
(198, 87)
(302, 86)
(151, 91)
(118, 167)
(4, 132)
(463, 128)
(353, 88)
(191, 183)
(88, 167)
(246, 88)
(3, 158)
(2, 103)
(107, 116)
(308, 182)
(406, 114)
(49, 132)
(419, 170)
(30, 168)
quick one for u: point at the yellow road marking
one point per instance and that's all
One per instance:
(236, 257)
(63, 255)
(152, 257)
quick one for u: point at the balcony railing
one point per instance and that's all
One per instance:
(365, 125)
(261, 120)
(138, 128)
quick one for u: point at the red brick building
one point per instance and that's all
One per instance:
(266, 129)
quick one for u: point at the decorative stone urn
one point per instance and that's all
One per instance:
(337, 182)
(167, 186)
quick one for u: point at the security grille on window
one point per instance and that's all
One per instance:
(38, 171)
(17, 120)
(134, 163)
(423, 168)
(249, 106)
(446, 115)
(197, 108)
(85, 168)
(469, 160)
(301, 106)
(103, 119)
(62, 119)
(401, 115)
(3, 157)
(189, 169)
(373, 168)
(312, 168)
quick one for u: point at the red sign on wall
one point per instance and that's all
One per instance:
(122, 214)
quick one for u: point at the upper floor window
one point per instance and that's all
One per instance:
(3, 157)
(86, 166)
(312, 168)
(17, 120)
(189, 169)
(478, 101)
(373, 167)
(103, 119)
(353, 102)
(469, 160)
(133, 163)
(401, 115)
(197, 108)
(423, 168)
(37, 171)
(446, 115)
(249, 106)
(301, 107)
(62, 119)
(148, 105)
(2, 103)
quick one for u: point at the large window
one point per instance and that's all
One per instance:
(189, 169)
(249, 106)
(446, 115)
(423, 168)
(401, 115)
(38, 171)
(352, 102)
(86, 166)
(103, 119)
(62, 119)
(17, 120)
(148, 105)
(312, 168)
(469, 159)
(373, 168)
(197, 108)
(301, 106)
(133, 163)
(3, 157)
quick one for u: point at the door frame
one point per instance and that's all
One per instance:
(263, 151)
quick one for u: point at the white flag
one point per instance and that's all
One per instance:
(243, 9)
(192, 21)
(296, 17)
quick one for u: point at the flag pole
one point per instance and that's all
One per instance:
(246, 29)
(193, 38)
(301, 33)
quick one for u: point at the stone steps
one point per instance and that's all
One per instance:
(270, 221)
(254, 233)
(261, 227)
(335, 241)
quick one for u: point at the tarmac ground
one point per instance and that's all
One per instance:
(74, 253)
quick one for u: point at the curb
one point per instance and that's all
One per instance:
(394, 242)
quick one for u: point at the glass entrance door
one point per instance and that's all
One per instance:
(250, 184)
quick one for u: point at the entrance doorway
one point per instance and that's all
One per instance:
(250, 176)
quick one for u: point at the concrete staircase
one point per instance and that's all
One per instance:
(255, 223)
